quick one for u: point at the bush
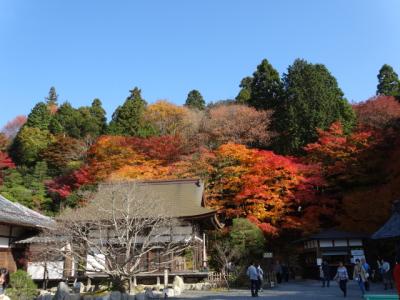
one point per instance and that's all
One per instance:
(22, 286)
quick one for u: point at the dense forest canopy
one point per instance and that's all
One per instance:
(289, 153)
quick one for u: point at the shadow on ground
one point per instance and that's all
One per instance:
(299, 290)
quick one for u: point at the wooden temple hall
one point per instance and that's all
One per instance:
(17, 222)
(185, 197)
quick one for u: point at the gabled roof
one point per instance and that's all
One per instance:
(17, 214)
(391, 229)
(181, 198)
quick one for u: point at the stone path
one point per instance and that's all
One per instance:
(302, 290)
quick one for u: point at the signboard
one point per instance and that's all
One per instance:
(319, 261)
(357, 252)
(267, 255)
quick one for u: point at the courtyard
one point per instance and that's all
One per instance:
(299, 290)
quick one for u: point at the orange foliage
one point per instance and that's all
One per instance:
(343, 157)
(276, 191)
(117, 157)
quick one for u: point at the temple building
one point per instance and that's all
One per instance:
(331, 245)
(17, 222)
(186, 202)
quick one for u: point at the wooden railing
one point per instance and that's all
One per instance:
(217, 279)
(220, 280)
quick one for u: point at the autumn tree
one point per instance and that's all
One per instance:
(6, 163)
(238, 124)
(128, 118)
(195, 100)
(4, 141)
(388, 82)
(312, 100)
(64, 154)
(135, 158)
(167, 118)
(11, 129)
(346, 159)
(274, 192)
(378, 112)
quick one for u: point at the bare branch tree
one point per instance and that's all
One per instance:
(225, 254)
(113, 234)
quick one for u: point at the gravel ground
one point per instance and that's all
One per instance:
(300, 290)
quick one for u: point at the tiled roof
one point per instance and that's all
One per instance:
(391, 229)
(182, 198)
(17, 214)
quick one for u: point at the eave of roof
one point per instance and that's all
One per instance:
(16, 214)
(391, 229)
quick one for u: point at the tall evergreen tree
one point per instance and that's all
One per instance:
(195, 100)
(39, 117)
(52, 98)
(99, 116)
(128, 118)
(69, 119)
(245, 93)
(265, 87)
(388, 82)
(312, 100)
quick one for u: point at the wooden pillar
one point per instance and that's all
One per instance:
(165, 278)
(204, 258)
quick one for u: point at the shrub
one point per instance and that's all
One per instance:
(22, 286)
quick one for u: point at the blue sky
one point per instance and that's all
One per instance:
(95, 48)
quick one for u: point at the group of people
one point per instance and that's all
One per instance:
(361, 274)
(256, 275)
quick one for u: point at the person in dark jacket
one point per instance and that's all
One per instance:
(325, 274)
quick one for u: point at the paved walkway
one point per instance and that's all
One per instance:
(300, 290)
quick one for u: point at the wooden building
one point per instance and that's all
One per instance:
(186, 200)
(331, 245)
(17, 222)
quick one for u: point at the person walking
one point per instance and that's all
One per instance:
(253, 276)
(368, 273)
(260, 277)
(278, 271)
(384, 267)
(396, 274)
(360, 276)
(325, 273)
(342, 276)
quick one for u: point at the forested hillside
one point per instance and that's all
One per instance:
(290, 153)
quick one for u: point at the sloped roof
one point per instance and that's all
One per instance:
(391, 229)
(182, 198)
(17, 214)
